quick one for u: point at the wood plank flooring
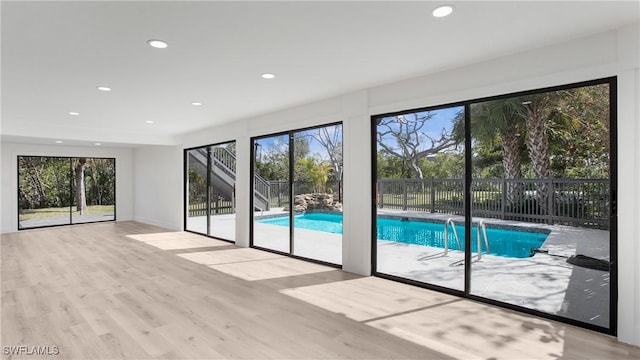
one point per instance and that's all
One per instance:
(133, 291)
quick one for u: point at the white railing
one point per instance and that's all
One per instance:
(446, 235)
(481, 229)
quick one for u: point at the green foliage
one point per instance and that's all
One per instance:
(274, 162)
(47, 182)
(197, 183)
(316, 172)
(443, 166)
(579, 133)
(392, 167)
(576, 122)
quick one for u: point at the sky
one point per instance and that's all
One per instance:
(441, 119)
(315, 148)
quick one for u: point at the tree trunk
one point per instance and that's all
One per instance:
(512, 167)
(538, 146)
(80, 190)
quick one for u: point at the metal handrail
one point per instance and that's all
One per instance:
(446, 235)
(226, 161)
(483, 227)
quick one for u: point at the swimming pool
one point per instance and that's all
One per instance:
(502, 242)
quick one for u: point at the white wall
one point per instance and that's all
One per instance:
(613, 53)
(10, 152)
(157, 192)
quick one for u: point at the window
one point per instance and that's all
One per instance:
(507, 199)
(63, 190)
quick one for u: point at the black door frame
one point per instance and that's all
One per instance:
(291, 150)
(613, 232)
(185, 188)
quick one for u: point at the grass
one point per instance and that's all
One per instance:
(45, 213)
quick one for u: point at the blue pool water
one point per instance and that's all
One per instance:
(313, 221)
(502, 242)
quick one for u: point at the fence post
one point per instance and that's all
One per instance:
(550, 202)
(380, 194)
(404, 195)
(504, 198)
(432, 199)
(279, 196)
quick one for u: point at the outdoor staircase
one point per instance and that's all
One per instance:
(223, 176)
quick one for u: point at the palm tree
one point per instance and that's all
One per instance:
(536, 111)
(317, 172)
(499, 120)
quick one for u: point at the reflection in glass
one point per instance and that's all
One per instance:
(419, 195)
(271, 168)
(541, 167)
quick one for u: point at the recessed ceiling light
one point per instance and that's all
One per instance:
(195, 103)
(149, 121)
(98, 144)
(104, 88)
(268, 76)
(158, 44)
(58, 141)
(442, 11)
(74, 113)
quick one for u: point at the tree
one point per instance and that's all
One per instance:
(498, 121)
(330, 137)
(317, 172)
(80, 189)
(403, 136)
(580, 133)
(443, 166)
(273, 163)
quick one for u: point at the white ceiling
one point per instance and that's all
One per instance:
(54, 54)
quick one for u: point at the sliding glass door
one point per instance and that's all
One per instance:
(509, 200)
(61, 190)
(317, 190)
(419, 196)
(541, 199)
(272, 193)
(210, 177)
(298, 180)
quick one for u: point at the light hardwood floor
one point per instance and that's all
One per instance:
(134, 291)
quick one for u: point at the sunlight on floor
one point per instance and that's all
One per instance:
(177, 240)
(251, 265)
(271, 269)
(229, 256)
(436, 320)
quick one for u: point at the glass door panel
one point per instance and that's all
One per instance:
(196, 219)
(271, 216)
(43, 191)
(541, 199)
(419, 196)
(93, 187)
(222, 220)
(317, 202)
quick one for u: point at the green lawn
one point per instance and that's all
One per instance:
(31, 214)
